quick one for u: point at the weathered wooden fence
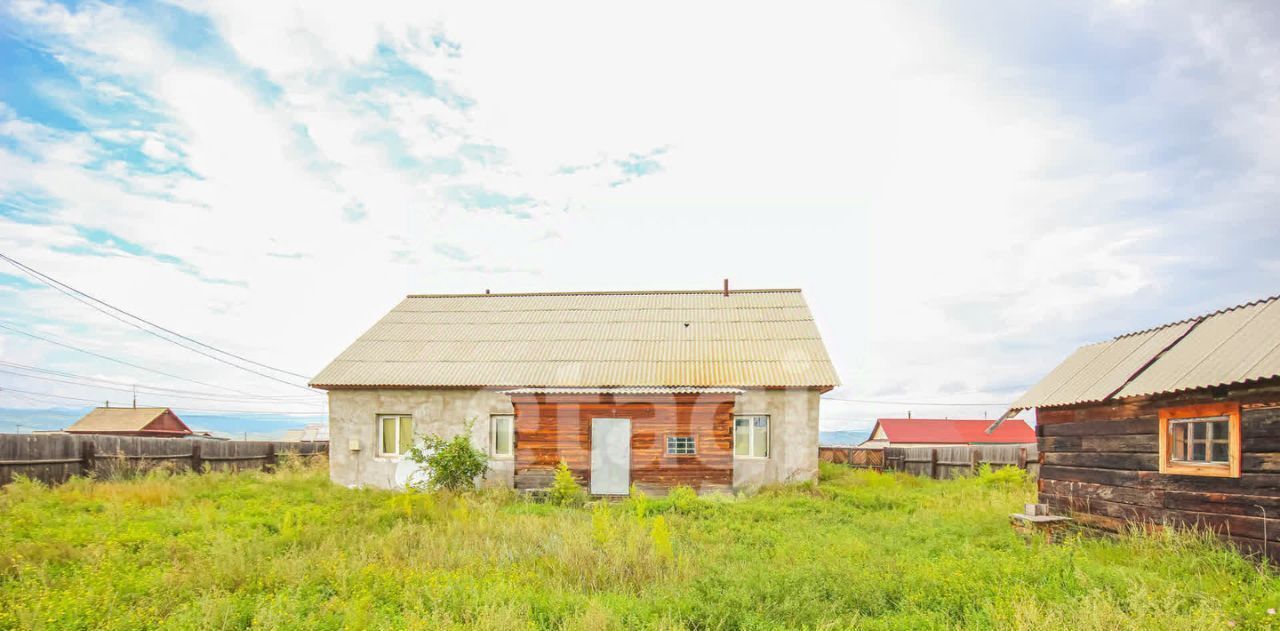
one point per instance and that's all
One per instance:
(954, 461)
(853, 456)
(55, 458)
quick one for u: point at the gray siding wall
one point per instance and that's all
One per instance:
(353, 416)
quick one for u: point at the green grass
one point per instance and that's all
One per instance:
(858, 549)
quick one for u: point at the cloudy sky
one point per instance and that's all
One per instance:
(965, 194)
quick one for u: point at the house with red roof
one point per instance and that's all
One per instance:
(924, 432)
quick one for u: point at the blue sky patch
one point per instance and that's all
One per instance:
(26, 207)
(107, 241)
(25, 67)
(18, 282)
(480, 198)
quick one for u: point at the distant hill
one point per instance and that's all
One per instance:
(845, 438)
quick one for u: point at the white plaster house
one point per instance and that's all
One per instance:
(718, 390)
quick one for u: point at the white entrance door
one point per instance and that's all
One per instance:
(610, 456)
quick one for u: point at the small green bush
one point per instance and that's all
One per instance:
(683, 499)
(828, 471)
(1003, 477)
(565, 490)
(455, 463)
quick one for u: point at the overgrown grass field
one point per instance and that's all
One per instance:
(859, 549)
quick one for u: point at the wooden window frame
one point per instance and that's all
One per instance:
(391, 454)
(1230, 469)
(666, 445)
(768, 439)
(493, 437)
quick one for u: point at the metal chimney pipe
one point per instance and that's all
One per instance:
(726, 287)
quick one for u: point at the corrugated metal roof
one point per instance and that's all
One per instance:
(957, 431)
(1096, 371)
(677, 390)
(685, 338)
(1234, 345)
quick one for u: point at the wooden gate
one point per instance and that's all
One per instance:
(853, 457)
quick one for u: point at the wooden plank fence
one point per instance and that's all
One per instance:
(853, 456)
(55, 458)
(958, 460)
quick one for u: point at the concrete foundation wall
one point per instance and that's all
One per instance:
(793, 437)
(353, 415)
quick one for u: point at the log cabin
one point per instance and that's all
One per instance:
(1178, 425)
(717, 390)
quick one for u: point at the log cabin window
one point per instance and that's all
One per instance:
(502, 435)
(1201, 440)
(681, 446)
(395, 434)
(751, 436)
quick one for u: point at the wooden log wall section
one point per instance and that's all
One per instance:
(551, 428)
(1101, 462)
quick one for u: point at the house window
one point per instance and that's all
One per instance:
(395, 434)
(1201, 440)
(751, 436)
(502, 435)
(681, 446)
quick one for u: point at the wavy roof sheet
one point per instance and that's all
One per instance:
(117, 420)
(1236, 345)
(957, 431)
(659, 339)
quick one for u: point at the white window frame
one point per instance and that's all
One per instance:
(751, 436)
(693, 445)
(493, 436)
(381, 431)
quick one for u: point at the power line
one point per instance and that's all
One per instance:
(85, 299)
(989, 405)
(47, 394)
(112, 359)
(57, 284)
(18, 392)
(158, 390)
(134, 389)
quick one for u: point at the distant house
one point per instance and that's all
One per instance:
(1179, 424)
(920, 432)
(154, 422)
(717, 390)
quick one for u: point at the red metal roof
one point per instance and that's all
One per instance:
(959, 431)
